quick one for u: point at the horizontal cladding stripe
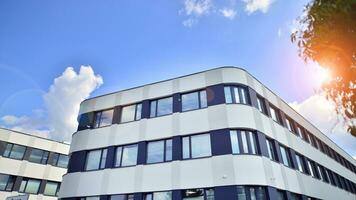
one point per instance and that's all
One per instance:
(220, 145)
(220, 193)
(215, 96)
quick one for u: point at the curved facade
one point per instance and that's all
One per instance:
(31, 165)
(218, 134)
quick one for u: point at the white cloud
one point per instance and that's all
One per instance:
(197, 7)
(189, 22)
(320, 112)
(257, 5)
(228, 13)
(59, 119)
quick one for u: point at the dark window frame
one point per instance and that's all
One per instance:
(199, 100)
(164, 151)
(136, 110)
(11, 150)
(232, 93)
(156, 107)
(122, 150)
(100, 159)
(248, 141)
(190, 146)
(101, 113)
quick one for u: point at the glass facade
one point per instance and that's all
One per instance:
(196, 146)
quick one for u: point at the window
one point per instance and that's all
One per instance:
(161, 107)
(122, 197)
(6, 182)
(51, 188)
(255, 193)
(95, 159)
(158, 196)
(281, 195)
(261, 105)
(299, 162)
(30, 186)
(271, 149)
(295, 196)
(311, 168)
(320, 174)
(300, 132)
(285, 156)
(289, 124)
(126, 155)
(90, 198)
(196, 146)
(159, 151)
(194, 100)
(275, 114)
(131, 113)
(198, 194)
(247, 139)
(60, 160)
(103, 118)
(14, 151)
(236, 94)
(38, 156)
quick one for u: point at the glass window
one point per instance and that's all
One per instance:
(320, 172)
(159, 151)
(131, 113)
(300, 132)
(241, 193)
(14, 151)
(122, 197)
(299, 162)
(63, 161)
(6, 182)
(194, 100)
(310, 167)
(285, 156)
(271, 149)
(38, 156)
(289, 125)
(248, 142)
(158, 196)
(198, 194)
(30, 186)
(274, 114)
(95, 159)
(261, 105)
(90, 198)
(126, 155)
(54, 160)
(51, 188)
(161, 107)
(236, 94)
(103, 118)
(198, 145)
(281, 195)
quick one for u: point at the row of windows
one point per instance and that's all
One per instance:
(28, 185)
(239, 192)
(308, 167)
(17, 152)
(233, 94)
(199, 146)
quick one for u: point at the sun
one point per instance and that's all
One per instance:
(321, 74)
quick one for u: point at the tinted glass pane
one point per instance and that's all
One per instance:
(155, 151)
(241, 194)
(270, 149)
(168, 150)
(92, 198)
(36, 155)
(252, 193)
(153, 107)
(45, 157)
(3, 181)
(10, 183)
(201, 145)
(186, 147)
(51, 188)
(129, 155)
(193, 194)
(63, 161)
(118, 156)
(106, 117)
(162, 196)
(234, 142)
(128, 113)
(244, 142)
(228, 97)
(289, 126)
(138, 111)
(7, 150)
(209, 193)
(97, 119)
(55, 159)
(93, 160)
(164, 106)
(284, 155)
(118, 197)
(190, 101)
(32, 186)
(310, 167)
(103, 159)
(23, 185)
(281, 195)
(17, 151)
(260, 193)
(299, 163)
(203, 99)
(149, 197)
(243, 95)
(252, 142)
(236, 95)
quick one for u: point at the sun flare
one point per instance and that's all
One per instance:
(321, 74)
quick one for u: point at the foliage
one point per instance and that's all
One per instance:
(327, 35)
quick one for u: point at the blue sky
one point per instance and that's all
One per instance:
(130, 43)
